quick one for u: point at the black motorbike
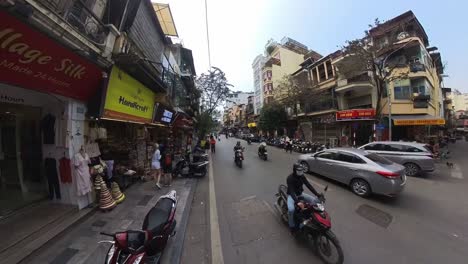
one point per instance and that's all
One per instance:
(314, 225)
(238, 157)
(185, 168)
(147, 244)
(249, 141)
(263, 155)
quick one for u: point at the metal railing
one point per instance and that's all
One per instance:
(81, 17)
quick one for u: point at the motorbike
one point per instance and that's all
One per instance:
(238, 157)
(264, 155)
(314, 225)
(148, 244)
(185, 168)
(249, 141)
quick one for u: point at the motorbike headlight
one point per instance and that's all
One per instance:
(319, 207)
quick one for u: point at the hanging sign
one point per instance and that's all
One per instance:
(32, 60)
(355, 114)
(163, 114)
(127, 99)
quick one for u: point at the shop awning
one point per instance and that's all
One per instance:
(164, 14)
(417, 120)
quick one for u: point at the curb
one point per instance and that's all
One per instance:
(176, 253)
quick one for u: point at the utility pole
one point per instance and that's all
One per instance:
(207, 34)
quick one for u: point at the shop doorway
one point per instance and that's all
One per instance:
(21, 178)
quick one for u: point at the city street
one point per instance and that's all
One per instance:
(427, 223)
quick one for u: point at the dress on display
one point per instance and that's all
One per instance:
(83, 179)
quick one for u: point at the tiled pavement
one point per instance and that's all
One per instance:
(80, 244)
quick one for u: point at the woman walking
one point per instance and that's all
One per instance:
(156, 165)
(213, 144)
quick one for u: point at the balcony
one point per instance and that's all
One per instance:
(362, 81)
(84, 18)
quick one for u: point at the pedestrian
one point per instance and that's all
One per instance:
(167, 166)
(213, 144)
(156, 165)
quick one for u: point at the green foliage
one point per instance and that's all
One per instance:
(272, 117)
(214, 89)
(205, 124)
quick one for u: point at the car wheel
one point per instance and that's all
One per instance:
(305, 165)
(360, 187)
(411, 169)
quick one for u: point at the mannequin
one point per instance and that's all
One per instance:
(83, 179)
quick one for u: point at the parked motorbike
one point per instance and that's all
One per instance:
(185, 168)
(314, 225)
(146, 245)
(238, 157)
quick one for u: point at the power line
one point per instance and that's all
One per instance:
(207, 33)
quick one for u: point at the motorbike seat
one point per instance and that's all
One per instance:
(158, 216)
(132, 241)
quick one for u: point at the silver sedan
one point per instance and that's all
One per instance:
(364, 172)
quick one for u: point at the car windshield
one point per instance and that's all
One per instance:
(378, 159)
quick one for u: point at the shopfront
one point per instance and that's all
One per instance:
(415, 127)
(42, 89)
(122, 133)
(319, 128)
(357, 126)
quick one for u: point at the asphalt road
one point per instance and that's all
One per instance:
(427, 223)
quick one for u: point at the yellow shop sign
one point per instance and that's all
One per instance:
(128, 99)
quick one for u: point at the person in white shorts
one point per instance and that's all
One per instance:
(156, 165)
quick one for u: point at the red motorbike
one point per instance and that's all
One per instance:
(314, 225)
(146, 245)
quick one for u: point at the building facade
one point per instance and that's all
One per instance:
(237, 98)
(459, 100)
(282, 59)
(257, 66)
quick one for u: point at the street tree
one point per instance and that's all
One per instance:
(272, 117)
(214, 89)
(297, 92)
(364, 56)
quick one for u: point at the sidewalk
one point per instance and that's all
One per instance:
(79, 244)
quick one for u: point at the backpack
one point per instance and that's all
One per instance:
(167, 159)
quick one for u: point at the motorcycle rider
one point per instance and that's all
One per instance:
(262, 148)
(295, 193)
(238, 146)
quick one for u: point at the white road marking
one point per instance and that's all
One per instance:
(216, 249)
(248, 198)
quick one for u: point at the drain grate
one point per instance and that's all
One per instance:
(65, 256)
(99, 223)
(144, 201)
(375, 215)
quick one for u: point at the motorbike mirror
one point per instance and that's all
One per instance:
(326, 188)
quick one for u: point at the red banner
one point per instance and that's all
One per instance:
(355, 114)
(32, 60)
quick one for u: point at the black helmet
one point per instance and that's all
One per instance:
(297, 167)
(238, 143)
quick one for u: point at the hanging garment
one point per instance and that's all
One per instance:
(48, 129)
(65, 170)
(52, 178)
(83, 179)
(92, 149)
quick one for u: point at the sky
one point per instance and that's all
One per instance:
(239, 30)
